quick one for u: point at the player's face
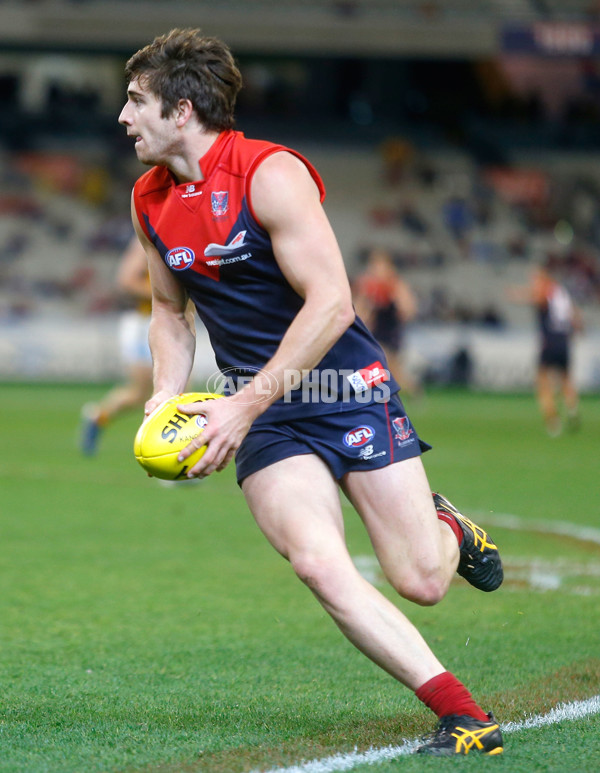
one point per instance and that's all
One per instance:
(155, 136)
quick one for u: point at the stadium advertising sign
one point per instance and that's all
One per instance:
(551, 39)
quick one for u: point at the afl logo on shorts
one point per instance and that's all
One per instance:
(179, 258)
(359, 436)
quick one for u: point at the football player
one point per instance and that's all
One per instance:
(238, 226)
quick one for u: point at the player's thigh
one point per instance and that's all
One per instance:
(396, 506)
(545, 378)
(296, 504)
(140, 377)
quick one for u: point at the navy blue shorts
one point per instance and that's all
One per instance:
(365, 438)
(555, 353)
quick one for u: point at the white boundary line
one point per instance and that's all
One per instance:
(341, 762)
(542, 575)
(560, 713)
(562, 528)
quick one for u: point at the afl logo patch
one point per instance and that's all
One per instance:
(179, 258)
(359, 436)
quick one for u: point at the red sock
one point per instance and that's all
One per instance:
(444, 695)
(453, 524)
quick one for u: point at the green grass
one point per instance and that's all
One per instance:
(145, 628)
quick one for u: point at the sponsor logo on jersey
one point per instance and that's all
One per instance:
(374, 374)
(227, 261)
(359, 436)
(179, 258)
(216, 250)
(403, 429)
(368, 377)
(219, 202)
(190, 191)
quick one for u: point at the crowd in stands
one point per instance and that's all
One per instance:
(437, 214)
(440, 205)
(64, 222)
(63, 225)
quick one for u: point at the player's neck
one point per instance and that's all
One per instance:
(186, 166)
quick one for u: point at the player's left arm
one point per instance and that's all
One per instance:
(286, 202)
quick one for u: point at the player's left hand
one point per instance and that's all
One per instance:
(227, 424)
(157, 399)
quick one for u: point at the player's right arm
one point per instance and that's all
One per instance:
(172, 334)
(132, 276)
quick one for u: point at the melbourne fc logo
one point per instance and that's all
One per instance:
(179, 258)
(403, 429)
(359, 436)
(219, 202)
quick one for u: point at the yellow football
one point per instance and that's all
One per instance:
(165, 432)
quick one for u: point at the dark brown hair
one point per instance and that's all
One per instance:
(184, 64)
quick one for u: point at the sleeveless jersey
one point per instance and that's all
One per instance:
(210, 239)
(556, 327)
(556, 314)
(386, 324)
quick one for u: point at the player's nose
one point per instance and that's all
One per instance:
(123, 116)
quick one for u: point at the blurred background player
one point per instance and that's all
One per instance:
(132, 281)
(386, 303)
(558, 319)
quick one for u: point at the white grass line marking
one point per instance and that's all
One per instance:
(341, 762)
(562, 528)
(560, 713)
(540, 574)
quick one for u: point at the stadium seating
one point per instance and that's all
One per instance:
(459, 236)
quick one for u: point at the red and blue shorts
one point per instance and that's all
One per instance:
(367, 437)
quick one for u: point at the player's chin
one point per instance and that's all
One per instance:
(145, 160)
(144, 156)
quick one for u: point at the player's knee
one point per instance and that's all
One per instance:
(430, 594)
(316, 570)
(423, 588)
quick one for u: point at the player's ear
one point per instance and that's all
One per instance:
(183, 112)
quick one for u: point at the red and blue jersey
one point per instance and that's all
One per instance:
(210, 239)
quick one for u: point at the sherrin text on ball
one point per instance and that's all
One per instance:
(165, 432)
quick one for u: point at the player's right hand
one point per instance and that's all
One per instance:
(227, 424)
